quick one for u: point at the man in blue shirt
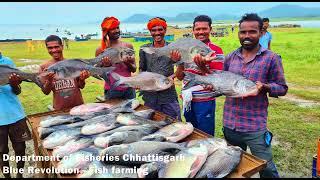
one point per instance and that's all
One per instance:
(12, 121)
(265, 39)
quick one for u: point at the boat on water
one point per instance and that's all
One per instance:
(81, 39)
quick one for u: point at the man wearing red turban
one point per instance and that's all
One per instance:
(164, 101)
(111, 38)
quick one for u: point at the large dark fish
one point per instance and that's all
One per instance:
(44, 132)
(123, 137)
(188, 47)
(73, 67)
(221, 163)
(142, 149)
(225, 83)
(115, 54)
(6, 71)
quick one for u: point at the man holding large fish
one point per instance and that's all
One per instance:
(165, 101)
(66, 91)
(203, 104)
(111, 39)
(12, 121)
(245, 119)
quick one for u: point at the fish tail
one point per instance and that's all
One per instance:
(191, 78)
(33, 77)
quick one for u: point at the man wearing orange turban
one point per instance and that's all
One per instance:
(111, 38)
(164, 101)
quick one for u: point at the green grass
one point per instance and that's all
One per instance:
(295, 128)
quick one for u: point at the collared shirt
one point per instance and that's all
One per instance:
(162, 65)
(250, 114)
(265, 39)
(11, 109)
(205, 95)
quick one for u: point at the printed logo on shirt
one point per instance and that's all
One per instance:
(64, 84)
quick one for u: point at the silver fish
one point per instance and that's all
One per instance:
(115, 54)
(60, 137)
(188, 47)
(212, 144)
(44, 132)
(225, 83)
(72, 146)
(132, 119)
(143, 127)
(78, 161)
(61, 119)
(99, 127)
(126, 106)
(145, 81)
(173, 132)
(147, 113)
(72, 68)
(186, 167)
(221, 163)
(6, 71)
(89, 108)
(123, 137)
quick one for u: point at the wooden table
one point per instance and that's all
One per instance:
(248, 165)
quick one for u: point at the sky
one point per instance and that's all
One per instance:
(84, 12)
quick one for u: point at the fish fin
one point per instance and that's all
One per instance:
(183, 144)
(96, 76)
(117, 78)
(191, 78)
(178, 63)
(101, 71)
(159, 138)
(123, 110)
(148, 50)
(217, 93)
(33, 77)
(189, 85)
(166, 121)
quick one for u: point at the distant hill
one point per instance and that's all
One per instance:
(182, 17)
(142, 18)
(280, 11)
(286, 10)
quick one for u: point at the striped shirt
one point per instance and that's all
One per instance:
(205, 95)
(250, 114)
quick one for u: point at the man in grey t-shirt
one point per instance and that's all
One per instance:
(164, 101)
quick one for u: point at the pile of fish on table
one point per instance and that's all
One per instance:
(102, 140)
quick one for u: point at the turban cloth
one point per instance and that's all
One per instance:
(106, 25)
(156, 22)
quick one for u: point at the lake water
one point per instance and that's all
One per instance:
(40, 32)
